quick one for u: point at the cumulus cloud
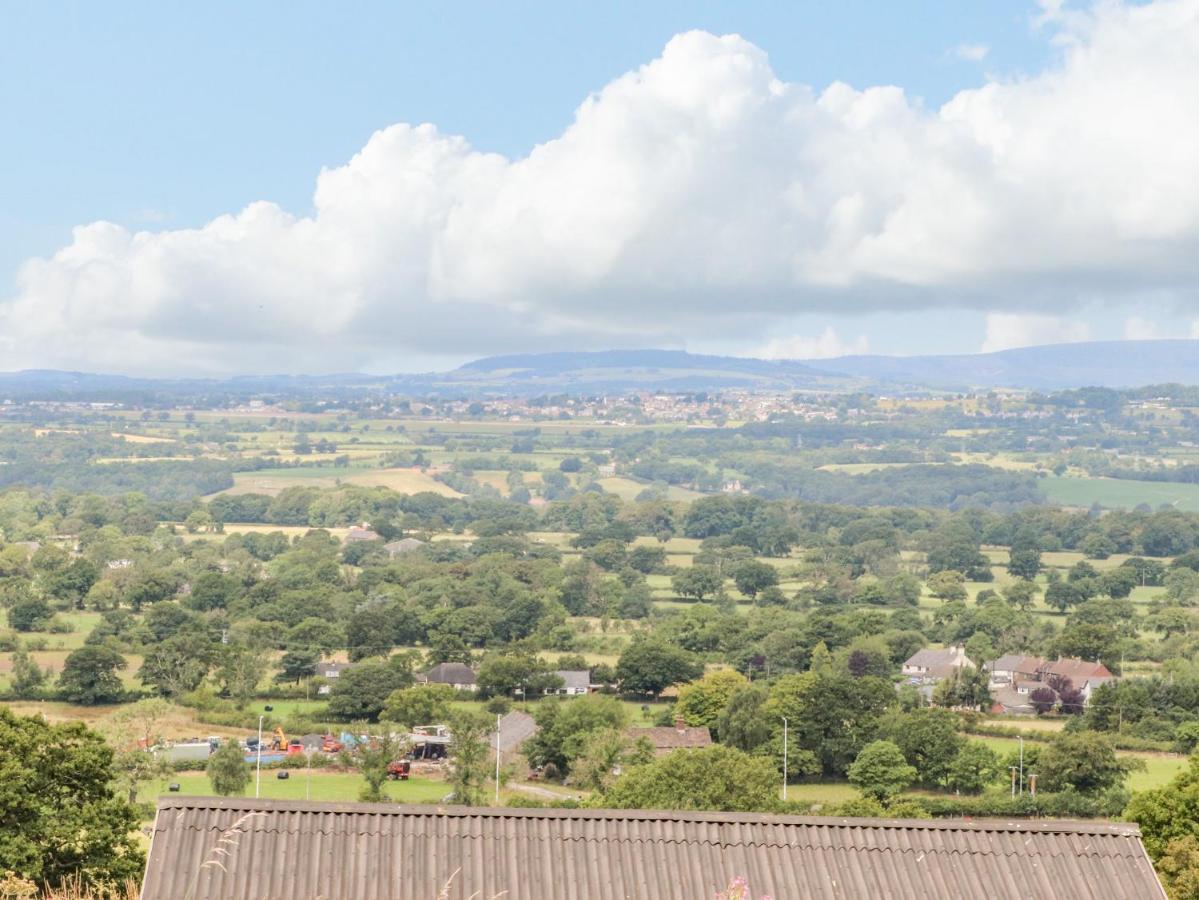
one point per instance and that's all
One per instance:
(826, 345)
(1008, 330)
(1137, 328)
(971, 52)
(698, 195)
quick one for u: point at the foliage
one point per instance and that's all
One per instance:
(361, 691)
(650, 665)
(880, 771)
(716, 778)
(702, 702)
(60, 816)
(564, 727)
(604, 753)
(89, 676)
(227, 770)
(1082, 761)
(422, 704)
(468, 751)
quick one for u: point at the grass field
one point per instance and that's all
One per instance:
(1159, 767)
(1120, 494)
(628, 489)
(273, 481)
(324, 785)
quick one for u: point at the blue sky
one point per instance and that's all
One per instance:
(160, 117)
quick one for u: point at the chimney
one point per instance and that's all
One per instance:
(679, 724)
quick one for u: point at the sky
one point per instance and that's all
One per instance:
(303, 187)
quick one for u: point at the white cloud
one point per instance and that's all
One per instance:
(971, 52)
(1137, 328)
(1008, 330)
(827, 345)
(698, 195)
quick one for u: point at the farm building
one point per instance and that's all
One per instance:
(361, 532)
(244, 849)
(457, 675)
(672, 737)
(402, 546)
(330, 671)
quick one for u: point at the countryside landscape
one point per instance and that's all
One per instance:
(623, 451)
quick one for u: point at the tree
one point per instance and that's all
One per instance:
(1084, 761)
(61, 818)
(177, 665)
(296, 665)
(948, 585)
(468, 751)
(1167, 813)
(650, 665)
(697, 582)
(743, 723)
(1178, 868)
(1043, 700)
(712, 778)
(1021, 594)
(371, 756)
(975, 766)
(880, 771)
(753, 576)
(604, 752)
(27, 678)
(928, 739)
(227, 769)
(29, 614)
(361, 691)
(131, 730)
(241, 668)
(89, 676)
(1024, 563)
(966, 688)
(565, 725)
(831, 715)
(701, 702)
(504, 674)
(422, 704)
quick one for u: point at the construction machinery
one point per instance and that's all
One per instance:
(330, 744)
(400, 769)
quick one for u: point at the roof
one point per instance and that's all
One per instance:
(403, 545)
(1014, 662)
(1077, 670)
(359, 533)
(927, 658)
(451, 673)
(672, 737)
(575, 679)
(303, 850)
(515, 728)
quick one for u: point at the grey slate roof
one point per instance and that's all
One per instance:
(450, 673)
(575, 679)
(337, 851)
(515, 728)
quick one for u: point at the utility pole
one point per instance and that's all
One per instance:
(497, 759)
(1021, 764)
(784, 718)
(258, 772)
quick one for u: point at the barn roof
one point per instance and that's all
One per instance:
(235, 848)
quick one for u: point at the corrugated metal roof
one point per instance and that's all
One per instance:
(237, 849)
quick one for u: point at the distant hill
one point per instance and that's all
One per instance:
(1113, 364)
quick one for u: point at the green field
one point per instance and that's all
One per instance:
(323, 785)
(1120, 494)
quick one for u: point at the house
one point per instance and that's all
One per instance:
(456, 675)
(1012, 667)
(672, 737)
(1077, 670)
(236, 848)
(929, 666)
(362, 532)
(330, 671)
(574, 682)
(402, 546)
